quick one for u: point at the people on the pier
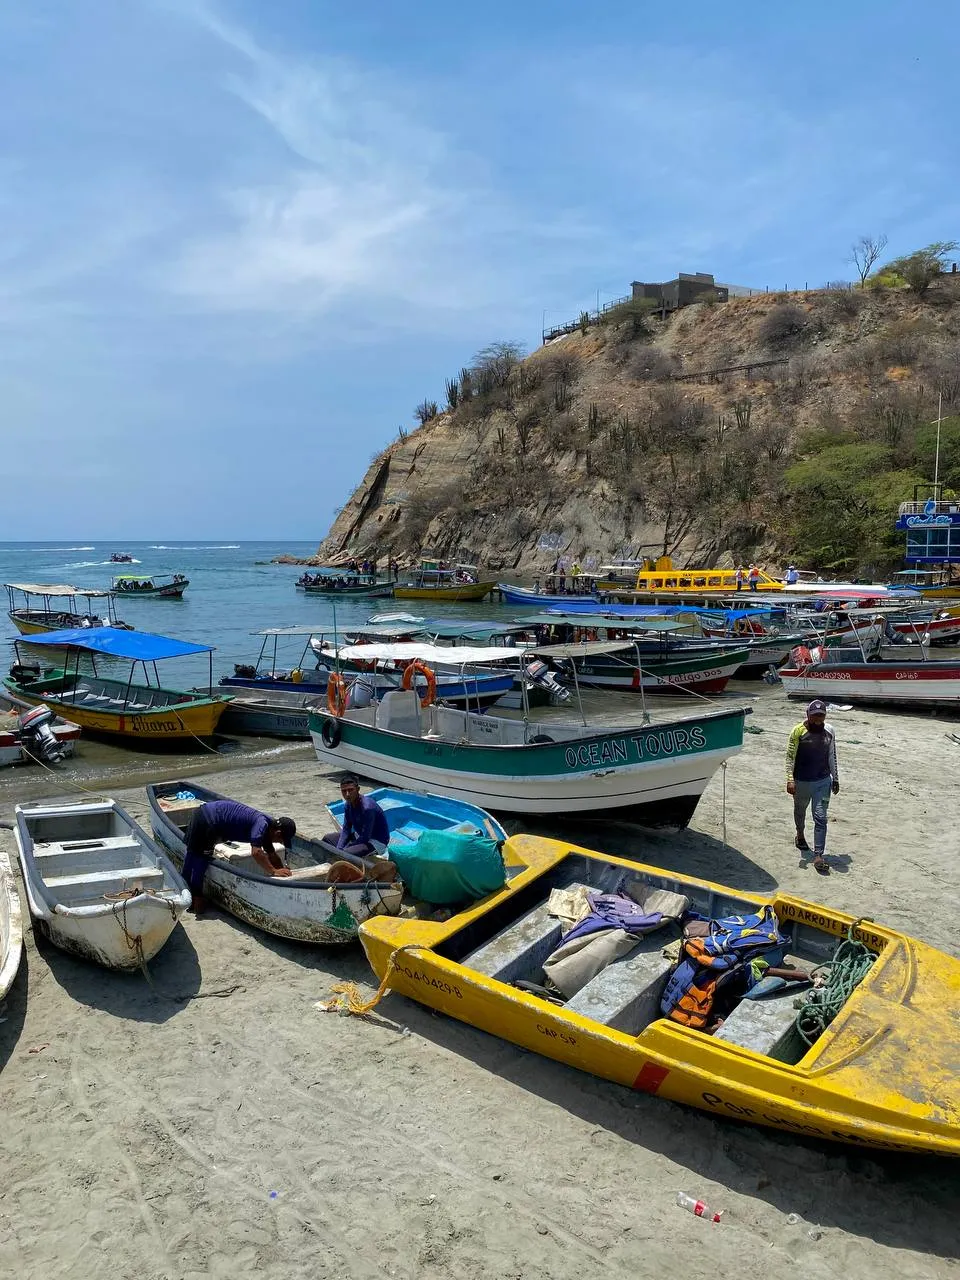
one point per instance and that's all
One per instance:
(793, 576)
(753, 577)
(812, 776)
(740, 577)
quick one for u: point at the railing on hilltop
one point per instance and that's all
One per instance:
(593, 317)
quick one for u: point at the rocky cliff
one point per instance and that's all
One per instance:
(702, 435)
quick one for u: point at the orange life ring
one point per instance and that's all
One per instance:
(336, 694)
(427, 672)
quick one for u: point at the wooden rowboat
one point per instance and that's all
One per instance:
(11, 928)
(883, 1074)
(96, 884)
(305, 907)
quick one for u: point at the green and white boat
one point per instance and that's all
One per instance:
(653, 773)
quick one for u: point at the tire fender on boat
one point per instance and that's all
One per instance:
(330, 734)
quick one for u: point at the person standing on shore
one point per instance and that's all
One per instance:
(812, 776)
(739, 577)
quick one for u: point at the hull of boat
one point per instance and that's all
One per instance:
(300, 911)
(920, 684)
(483, 690)
(173, 592)
(11, 926)
(113, 899)
(527, 596)
(882, 1075)
(378, 592)
(704, 674)
(261, 719)
(463, 591)
(410, 813)
(652, 774)
(176, 722)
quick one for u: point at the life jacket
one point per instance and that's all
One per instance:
(711, 962)
(689, 995)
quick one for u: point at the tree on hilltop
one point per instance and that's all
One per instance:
(864, 252)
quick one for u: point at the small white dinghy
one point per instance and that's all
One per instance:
(97, 885)
(11, 930)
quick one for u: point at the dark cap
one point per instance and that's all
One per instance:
(816, 708)
(288, 829)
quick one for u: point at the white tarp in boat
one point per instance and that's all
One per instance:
(462, 654)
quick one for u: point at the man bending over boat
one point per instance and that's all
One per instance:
(364, 833)
(219, 820)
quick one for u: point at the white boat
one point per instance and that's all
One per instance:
(305, 907)
(649, 773)
(11, 928)
(96, 884)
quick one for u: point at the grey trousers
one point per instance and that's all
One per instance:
(818, 794)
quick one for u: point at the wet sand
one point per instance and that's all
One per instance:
(240, 1132)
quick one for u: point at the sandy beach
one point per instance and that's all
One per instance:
(233, 1130)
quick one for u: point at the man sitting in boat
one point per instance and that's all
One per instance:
(365, 832)
(219, 820)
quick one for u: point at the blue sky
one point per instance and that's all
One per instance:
(239, 241)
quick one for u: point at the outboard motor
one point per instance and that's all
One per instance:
(537, 672)
(36, 735)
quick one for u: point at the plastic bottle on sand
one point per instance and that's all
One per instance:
(697, 1206)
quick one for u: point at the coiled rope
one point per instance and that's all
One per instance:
(346, 997)
(851, 963)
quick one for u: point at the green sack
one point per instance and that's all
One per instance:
(445, 867)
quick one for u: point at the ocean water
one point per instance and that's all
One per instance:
(234, 592)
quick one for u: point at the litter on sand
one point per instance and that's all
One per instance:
(839, 706)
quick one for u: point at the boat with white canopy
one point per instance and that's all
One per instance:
(36, 607)
(654, 773)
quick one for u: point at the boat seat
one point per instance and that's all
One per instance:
(519, 950)
(761, 1025)
(399, 712)
(317, 872)
(626, 995)
(97, 884)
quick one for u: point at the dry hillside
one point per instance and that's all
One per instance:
(642, 435)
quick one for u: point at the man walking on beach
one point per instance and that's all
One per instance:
(219, 820)
(811, 777)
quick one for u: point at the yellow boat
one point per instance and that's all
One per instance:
(38, 607)
(664, 578)
(885, 1073)
(435, 582)
(117, 707)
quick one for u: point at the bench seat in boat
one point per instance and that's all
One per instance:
(626, 994)
(94, 885)
(761, 1025)
(519, 950)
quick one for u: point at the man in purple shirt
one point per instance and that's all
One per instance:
(364, 832)
(219, 820)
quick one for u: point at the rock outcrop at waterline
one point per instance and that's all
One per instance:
(709, 435)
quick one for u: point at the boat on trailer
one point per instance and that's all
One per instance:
(37, 607)
(653, 773)
(882, 1074)
(305, 907)
(11, 926)
(144, 712)
(97, 885)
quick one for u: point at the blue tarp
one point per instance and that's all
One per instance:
(138, 646)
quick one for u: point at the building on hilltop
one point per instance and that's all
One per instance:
(681, 292)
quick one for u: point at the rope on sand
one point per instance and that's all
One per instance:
(347, 997)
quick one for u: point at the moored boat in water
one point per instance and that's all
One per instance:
(161, 586)
(37, 607)
(880, 1074)
(436, 581)
(96, 884)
